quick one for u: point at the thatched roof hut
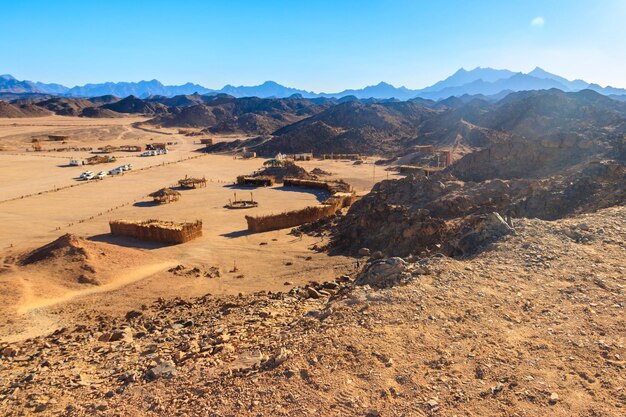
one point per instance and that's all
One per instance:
(190, 182)
(274, 163)
(165, 195)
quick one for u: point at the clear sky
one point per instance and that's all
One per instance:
(316, 45)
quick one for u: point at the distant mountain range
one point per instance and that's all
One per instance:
(483, 81)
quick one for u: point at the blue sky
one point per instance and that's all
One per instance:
(316, 45)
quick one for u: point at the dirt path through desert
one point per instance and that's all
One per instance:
(31, 303)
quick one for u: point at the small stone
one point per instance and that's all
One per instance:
(40, 407)
(178, 356)
(554, 397)
(9, 351)
(128, 377)
(312, 293)
(133, 314)
(364, 252)
(280, 356)
(497, 388)
(121, 334)
(165, 369)
(104, 337)
(226, 348)
(432, 403)
(84, 279)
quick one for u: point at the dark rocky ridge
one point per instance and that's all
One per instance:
(392, 128)
(225, 114)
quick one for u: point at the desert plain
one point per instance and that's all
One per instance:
(41, 199)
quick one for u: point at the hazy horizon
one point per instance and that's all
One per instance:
(320, 47)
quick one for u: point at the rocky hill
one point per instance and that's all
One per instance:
(548, 176)
(463, 125)
(226, 114)
(23, 110)
(517, 329)
(350, 127)
(97, 112)
(533, 113)
(132, 104)
(66, 106)
(441, 213)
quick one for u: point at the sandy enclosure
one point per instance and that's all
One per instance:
(40, 199)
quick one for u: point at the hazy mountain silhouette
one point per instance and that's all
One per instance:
(483, 81)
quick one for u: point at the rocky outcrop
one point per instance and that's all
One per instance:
(476, 232)
(443, 214)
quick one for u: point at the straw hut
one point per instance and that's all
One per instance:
(273, 163)
(100, 159)
(192, 182)
(165, 195)
(108, 149)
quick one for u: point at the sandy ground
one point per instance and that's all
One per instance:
(40, 199)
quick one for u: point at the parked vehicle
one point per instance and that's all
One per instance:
(115, 171)
(86, 176)
(100, 175)
(77, 162)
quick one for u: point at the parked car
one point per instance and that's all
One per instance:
(100, 175)
(115, 171)
(86, 176)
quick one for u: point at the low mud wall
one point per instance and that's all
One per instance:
(156, 231)
(295, 218)
(330, 186)
(349, 156)
(260, 181)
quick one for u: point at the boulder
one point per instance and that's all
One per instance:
(481, 230)
(384, 273)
